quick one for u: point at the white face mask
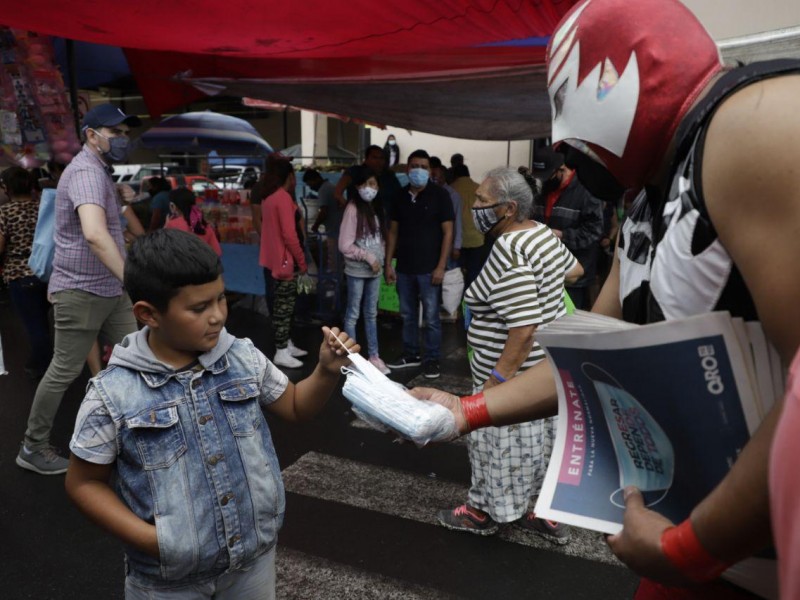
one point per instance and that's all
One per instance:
(391, 142)
(367, 193)
(385, 405)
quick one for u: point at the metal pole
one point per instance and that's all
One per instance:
(285, 127)
(73, 86)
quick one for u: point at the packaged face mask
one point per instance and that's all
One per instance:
(385, 405)
(644, 453)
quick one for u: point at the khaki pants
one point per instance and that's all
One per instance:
(79, 318)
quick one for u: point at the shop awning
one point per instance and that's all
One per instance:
(460, 68)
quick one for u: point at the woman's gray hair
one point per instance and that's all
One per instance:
(506, 184)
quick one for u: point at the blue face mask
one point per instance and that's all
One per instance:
(418, 177)
(118, 147)
(644, 453)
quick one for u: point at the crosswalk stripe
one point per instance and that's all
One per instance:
(298, 572)
(410, 496)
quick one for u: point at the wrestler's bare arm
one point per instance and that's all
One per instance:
(753, 195)
(752, 190)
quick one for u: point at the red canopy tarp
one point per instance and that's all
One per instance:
(465, 69)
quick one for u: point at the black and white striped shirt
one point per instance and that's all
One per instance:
(522, 283)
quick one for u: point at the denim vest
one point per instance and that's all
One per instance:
(196, 457)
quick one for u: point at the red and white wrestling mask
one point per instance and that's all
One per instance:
(621, 75)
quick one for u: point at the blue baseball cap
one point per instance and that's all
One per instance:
(108, 115)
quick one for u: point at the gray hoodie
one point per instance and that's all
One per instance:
(134, 353)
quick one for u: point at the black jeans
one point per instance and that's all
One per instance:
(29, 299)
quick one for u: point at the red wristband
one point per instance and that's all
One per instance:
(682, 548)
(475, 412)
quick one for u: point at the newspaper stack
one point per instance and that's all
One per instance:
(665, 407)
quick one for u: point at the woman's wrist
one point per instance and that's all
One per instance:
(475, 411)
(684, 551)
(498, 376)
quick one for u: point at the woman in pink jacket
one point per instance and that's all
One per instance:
(281, 256)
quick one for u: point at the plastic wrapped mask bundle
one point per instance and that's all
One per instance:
(385, 405)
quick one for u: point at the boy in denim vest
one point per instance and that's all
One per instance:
(197, 496)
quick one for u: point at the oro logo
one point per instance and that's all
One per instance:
(710, 370)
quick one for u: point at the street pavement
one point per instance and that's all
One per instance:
(360, 520)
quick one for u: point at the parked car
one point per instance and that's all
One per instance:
(233, 176)
(133, 174)
(199, 184)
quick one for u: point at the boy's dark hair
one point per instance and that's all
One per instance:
(418, 154)
(435, 162)
(160, 263)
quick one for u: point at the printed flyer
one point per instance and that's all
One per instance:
(666, 408)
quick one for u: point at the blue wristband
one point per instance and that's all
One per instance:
(497, 376)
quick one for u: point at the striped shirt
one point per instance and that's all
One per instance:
(522, 283)
(86, 180)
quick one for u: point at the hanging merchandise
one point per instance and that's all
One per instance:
(35, 117)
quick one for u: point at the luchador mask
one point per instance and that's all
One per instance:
(621, 76)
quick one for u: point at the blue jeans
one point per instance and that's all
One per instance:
(256, 582)
(29, 298)
(363, 290)
(411, 290)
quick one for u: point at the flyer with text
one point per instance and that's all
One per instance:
(664, 408)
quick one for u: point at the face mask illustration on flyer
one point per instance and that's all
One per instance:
(644, 453)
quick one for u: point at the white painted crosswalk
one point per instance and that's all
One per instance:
(411, 496)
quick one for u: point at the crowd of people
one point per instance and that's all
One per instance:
(146, 465)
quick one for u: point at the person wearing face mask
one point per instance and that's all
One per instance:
(519, 290)
(86, 282)
(392, 151)
(362, 242)
(573, 214)
(714, 229)
(390, 189)
(421, 237)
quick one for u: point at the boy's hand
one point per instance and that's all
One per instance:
(332, 353)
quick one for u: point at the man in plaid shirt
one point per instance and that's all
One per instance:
(86, 283)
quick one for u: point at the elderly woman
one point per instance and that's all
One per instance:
(519, 289)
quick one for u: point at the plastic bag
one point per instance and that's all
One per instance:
(44, 245)
(304, 284)
(452, 290)
(386, 405)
